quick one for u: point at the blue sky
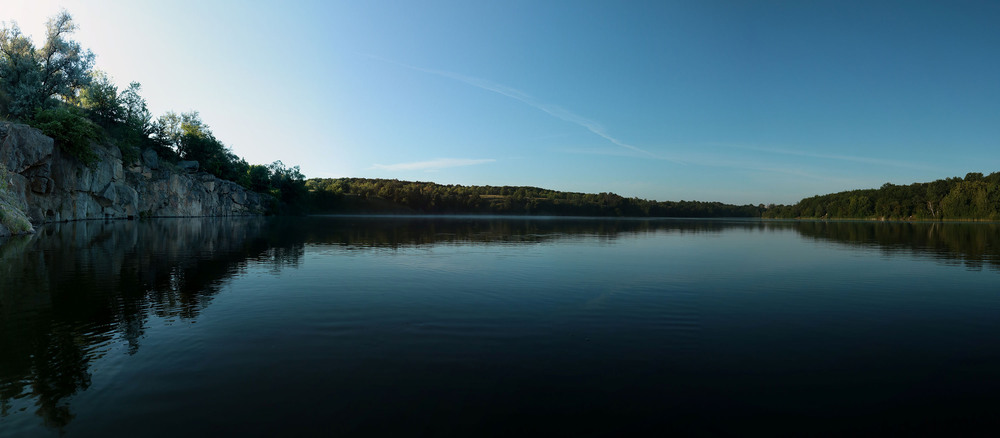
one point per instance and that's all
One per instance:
(734, 101)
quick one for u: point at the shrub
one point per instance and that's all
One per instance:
(71, 130)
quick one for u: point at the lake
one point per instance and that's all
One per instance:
(487, 326)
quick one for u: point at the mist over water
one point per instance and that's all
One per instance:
(496, 326)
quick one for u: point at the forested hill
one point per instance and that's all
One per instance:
(362, 195)
(976, 197)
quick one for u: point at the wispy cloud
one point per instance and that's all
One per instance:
(856, 159)
(513, 93)
(432, 165)
(609, 151)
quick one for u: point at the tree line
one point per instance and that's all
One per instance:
(340, 195)
(975, 197)
(56, 89)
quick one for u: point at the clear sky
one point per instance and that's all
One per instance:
(734, 101)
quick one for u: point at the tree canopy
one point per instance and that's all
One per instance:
(973, 197)
(383, 195)
(31, 78)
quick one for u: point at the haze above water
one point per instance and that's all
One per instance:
(496, 326)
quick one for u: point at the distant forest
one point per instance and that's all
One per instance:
(362, 195)
(975, 197)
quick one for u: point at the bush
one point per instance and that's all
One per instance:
(72, 131)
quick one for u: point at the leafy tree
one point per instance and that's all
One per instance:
(133, 129)
(123, 116)
(30, 78)
(133, 110)
(287, 184)
(64, 63)
(168, 130)
(73, 132)
(258, 178)
(100, 99)
(975, 197)
(186, 136)
(20, 73)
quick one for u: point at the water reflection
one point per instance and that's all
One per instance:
(972, 245)
(69, 292)
(396, 232)
(77, 286)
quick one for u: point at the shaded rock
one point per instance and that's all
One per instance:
(188, 166)
(12, 217)
(13, 220)
(150, 159)
(55, 188)
(41, 184)
(110, 195)
(22, 147)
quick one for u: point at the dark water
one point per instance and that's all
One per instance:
(498, 327)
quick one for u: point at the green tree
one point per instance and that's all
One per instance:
(174, 129)
(100, 99)
(20, 73)
(287, 184)
(72, 131)
(259, 178)
(30, 78)
(122, 115)
(187, 136)
(133, 110)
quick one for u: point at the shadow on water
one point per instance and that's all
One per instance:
(73, 289)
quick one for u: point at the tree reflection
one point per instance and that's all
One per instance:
(75, 289)
(973, 245)
(402, 231)
(68, 292)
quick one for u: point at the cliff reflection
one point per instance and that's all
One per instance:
(71, 290)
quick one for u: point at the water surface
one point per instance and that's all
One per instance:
(497, 326)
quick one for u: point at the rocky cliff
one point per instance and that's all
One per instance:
(51, 187)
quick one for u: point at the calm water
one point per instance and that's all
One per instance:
(500, 327)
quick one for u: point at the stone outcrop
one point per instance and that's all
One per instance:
(56, 188)
(12, 217)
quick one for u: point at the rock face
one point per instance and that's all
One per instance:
(12, 218)
(58, 188)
